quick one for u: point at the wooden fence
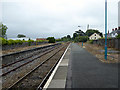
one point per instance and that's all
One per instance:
(111, 43)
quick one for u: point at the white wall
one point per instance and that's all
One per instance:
(94, 37)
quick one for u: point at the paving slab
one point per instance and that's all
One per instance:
(57, 84)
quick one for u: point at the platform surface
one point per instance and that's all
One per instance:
(86, 71)
(80, 69)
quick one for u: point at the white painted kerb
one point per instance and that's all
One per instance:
(53, 73)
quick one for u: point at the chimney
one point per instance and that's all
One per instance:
(108, 31)
(118, 28)
(115, 28)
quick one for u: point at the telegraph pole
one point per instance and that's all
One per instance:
(87, 26)
(105, 29)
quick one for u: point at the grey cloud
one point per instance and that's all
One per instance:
(42, 19)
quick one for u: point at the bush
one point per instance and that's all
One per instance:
(118, 36)
(102, 38)
(11, 42)
(3, 41)
(18, 41)
(29, 42)
(81, 39)
(41, 40)
(58, 40)
(91, 41)
(51, 40)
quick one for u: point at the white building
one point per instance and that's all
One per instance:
(94, 36)
(114, 33)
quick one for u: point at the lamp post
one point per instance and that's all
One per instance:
(82, 42)
(105, 29)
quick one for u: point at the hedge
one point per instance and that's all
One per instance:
(13, 42)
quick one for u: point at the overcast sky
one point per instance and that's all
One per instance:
(44, 18)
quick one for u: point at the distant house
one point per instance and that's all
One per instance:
(114, 33)
(37, 39)
(94, 36)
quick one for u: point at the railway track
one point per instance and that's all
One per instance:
(37, 75)
(22, 62)
(22, 59)
(17, 56)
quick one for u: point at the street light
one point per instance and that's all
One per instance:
(105, 29)
(82, 42)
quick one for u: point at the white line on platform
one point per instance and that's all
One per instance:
(53, 73)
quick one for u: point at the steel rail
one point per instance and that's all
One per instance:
(40, 87)
(9, 88)
(3, 66)
(26, 63)
(22, 59)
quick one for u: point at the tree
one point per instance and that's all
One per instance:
(64, 39)
(80, 33)
(3, 29)
(51, 39)
(81, 39)
(80, 36)
(92, 31)
(68, 36)
(75, 35)
(20, 36)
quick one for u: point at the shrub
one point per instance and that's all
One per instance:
(24, 40)
(18, 42)
(58, 40)
(11, 42)
(51, 40)
(91, 41)
(81, 39)
(3, 41)
(30, 41)
(41, 40)
(109, 38)
(102, 38)
(118, 36)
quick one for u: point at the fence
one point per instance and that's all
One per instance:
(111, 43)
(7, 47)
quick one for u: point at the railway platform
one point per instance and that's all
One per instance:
(59, 75)
(80, 69)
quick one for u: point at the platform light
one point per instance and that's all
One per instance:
(105, 29)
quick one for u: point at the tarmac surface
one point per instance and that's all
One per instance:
(86, 71)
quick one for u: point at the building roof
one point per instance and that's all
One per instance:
(116, 31)
(95, 33)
